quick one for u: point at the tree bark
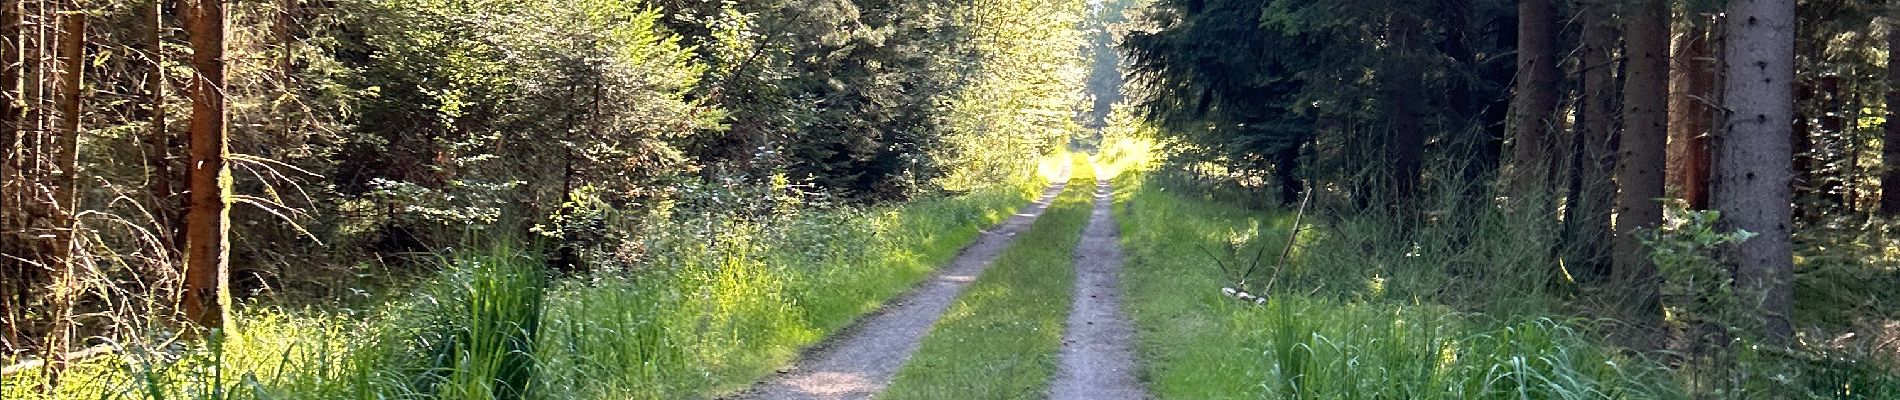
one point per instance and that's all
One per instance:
(66, 97)
(12, 113)
(1691, 78)
(1802, 143)
(1830, 184)
(1754, 162)
(1535, 105)
(68, 80)
(1286, 169)
(1587, 216)
(1639, 168)
(1890, 150)
(207, 222)
(158, 143)
(1401, 89)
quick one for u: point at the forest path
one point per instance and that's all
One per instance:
(859, 362)
(1098, 358)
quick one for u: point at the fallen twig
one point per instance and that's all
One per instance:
(1290, 240)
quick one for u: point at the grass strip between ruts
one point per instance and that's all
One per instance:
(1000, 340)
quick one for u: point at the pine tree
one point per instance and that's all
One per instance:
(1639, 167)
(1754, 158)
(207, 222)
(1691, 89)
(1591, 191)
(1534, 110)
(1890, 153)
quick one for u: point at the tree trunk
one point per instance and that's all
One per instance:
(1591, 192)
(66, 97)
(1401, 92)
(207, 222)
(1691, 79)
(1535, 107)
(1475, 138)
(1802, 143)
(1890, 150)
(1587, 217)
(1639, 168)
(1830, 185)
(1286, 169)
(158, 143)
(1754, 161)
(67, 82)
(12, 77)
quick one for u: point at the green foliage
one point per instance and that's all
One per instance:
(521, 122)
(482, 342)
(884, 99)
(1697, 287)
(711, 306)
(1390, 339)
(1837, 288)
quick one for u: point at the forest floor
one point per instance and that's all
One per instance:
(860, 362)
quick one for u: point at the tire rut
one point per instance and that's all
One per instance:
(1097, 358)
(860, 361)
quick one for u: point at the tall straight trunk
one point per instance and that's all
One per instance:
(1691, 82)
(12, 76)
(1830, 186)
(34, 160)
(1587, 216)
(1534, 109)
(1890, 148)
(1802, 141)
(158, 143)
(66, 97)
(207, 222)
(1474, 138)
(1495, 114)
(1639, 167)
(1401, 94)
(1753, 164)
(1286, 169)
(68, 79)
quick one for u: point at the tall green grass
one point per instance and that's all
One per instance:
(700, 316)
(1350, 326)
(999, 340)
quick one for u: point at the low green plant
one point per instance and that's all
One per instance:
(712, 304)
(1697, 288)
(1376, 322)
(1725, 362)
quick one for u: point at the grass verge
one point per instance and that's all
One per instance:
(1197, 344)
(999, 341)
(697, 316)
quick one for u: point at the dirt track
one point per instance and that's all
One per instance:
(1098, 360)
(859, 362)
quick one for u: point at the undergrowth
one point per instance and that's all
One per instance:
(1355, 323)
(1438, 304)
(702, 315)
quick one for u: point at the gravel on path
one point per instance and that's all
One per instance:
(1097, 359)
(860, 362)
